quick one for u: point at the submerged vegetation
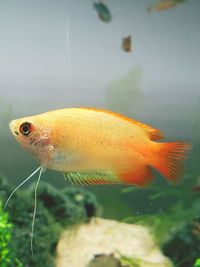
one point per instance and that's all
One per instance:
(5, 236)
(184, 246)
(56, 210)
(197, 263)
(177, 227)
(7, 256)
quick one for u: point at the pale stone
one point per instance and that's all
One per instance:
(78, 247)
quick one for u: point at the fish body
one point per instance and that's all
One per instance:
(163, 5)
(103, 11)
(91, 140)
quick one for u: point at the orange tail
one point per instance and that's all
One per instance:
(167, 159)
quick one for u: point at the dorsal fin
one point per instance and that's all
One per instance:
(153, 133)
(92, 177)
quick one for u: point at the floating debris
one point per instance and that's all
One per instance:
(127, 43)
(102, 11)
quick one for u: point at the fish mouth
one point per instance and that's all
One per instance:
(13, 128)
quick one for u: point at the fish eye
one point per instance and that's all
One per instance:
(26, 128)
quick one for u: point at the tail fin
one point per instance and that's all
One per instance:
(167, 159)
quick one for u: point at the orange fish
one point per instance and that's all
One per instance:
(163, 5)
(99, 147)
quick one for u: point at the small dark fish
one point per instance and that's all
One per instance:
(127, 43)
(102, 11)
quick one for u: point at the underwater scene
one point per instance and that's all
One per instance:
(100, 133)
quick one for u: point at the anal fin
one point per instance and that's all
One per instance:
(93, 177)
(140, 177)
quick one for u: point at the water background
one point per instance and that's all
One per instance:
(57, 54)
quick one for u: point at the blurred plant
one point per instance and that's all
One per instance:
(56, 210)
(5, 237)
(197, 263)
(184, 246)
(131, 262)
(124, 95)
(176, 229)
(84, 199)
(61, 206)
(7, 255)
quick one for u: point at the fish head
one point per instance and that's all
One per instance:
(33, 135)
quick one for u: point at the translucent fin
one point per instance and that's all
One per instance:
(167, 158)
(92, 177)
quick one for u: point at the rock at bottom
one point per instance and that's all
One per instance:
(131, 245)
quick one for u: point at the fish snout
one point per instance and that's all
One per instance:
(13, 127)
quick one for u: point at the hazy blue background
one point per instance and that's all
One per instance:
(39, 65)
(56, 54)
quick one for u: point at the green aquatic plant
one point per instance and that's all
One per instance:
(5, 237)
(61, 206)
(184, 245)
(85, 200)
(176, 227)
(163, 224)
(130, 262)
(56, 210)
(182, 204)
(7, 257)
(197, 263)
(46, 234)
